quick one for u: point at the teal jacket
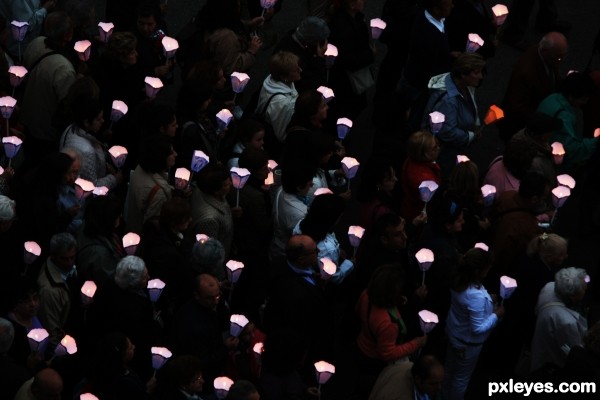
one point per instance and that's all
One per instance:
(577, 148)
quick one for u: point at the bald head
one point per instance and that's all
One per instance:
(301, 251)
(208, 291)
(553, 47)
(47, 384)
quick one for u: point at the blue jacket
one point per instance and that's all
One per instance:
(461, 116)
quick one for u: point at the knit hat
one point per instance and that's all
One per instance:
(540, 124)
(312, 30)
(7, 208)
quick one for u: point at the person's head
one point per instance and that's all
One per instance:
(422, 146)
(577, 87)
(209, 72)
(386, 286)
(7, 335)
(184, 372)
(175, 215)
(147, 17)
(214, 180)
(445, 215)
(156, 154)
(591, 340)
(243, 390)
(569, 285)
(102, 216)
(55, 170)
(389, 229)
(297, 179)
(257, 162)
(122, 47)
(310, 108)
(323, 214)
(553, 48)
(157, 118)
(438, 8)
(353, 6)
(312, 34)
(464, 181)
(47, 385)
(377, 176)
(467, 69)
(193, 99)
(63, 250)
(208, 257)
(472, 268)
(72, 173)
(88, 114)
(82, 12)
(24, 298)
(207, 291)
(251, 133)
(534, 189)
(302, 252)
(540, 127)
(428, 375)
(7, 213)
(550, 248)
(131, 274)
(58, 27)
(283, 67)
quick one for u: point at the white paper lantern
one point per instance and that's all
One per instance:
(560, 194)
(350, 166)
(474, 42)
(343, 127)
(155, 288)
(234, 270)
(327, 93)
(324, 371)
(131, 242)
(105, 29)
(83, 48)
(355, 234)
(428, 321)
(153, 86)
(239, 80)
(160, 355)
(377, 27)
(119, 109)
(237, 324)
(170, 46)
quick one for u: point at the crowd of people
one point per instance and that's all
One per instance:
(306, 292)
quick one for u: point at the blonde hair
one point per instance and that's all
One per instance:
(281, 64)
(467, 63)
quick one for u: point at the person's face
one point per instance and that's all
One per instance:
(170, 129)
(311, 256)
(433, 384)
(171, 158)
(258, 140)
(303, 190)
(262, 173)
(457, 225)
(322, 112)
(389, 182)
(473, 78)
(29, 306)
(295, 74)
(209, 296)
(445, 8)
(130, 351)
(556, 260)
(130, 58)
(73, 173)
(66, 260)
(225, 188)
(433, 151)
(395, 237)
(95, 124)
(220, 82)
(146, 25)
(195, 385)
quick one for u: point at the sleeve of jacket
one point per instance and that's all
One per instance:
(451, 133)
(480, 321)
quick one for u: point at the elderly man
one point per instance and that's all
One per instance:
(297, 300)
(57, 287)
(534, 77)
(559, 326)
(198, 326)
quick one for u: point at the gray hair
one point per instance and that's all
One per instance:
(569, 282)
(208, 257)
(7, 335)
(7, 209)
(61, 243)
(129, 272)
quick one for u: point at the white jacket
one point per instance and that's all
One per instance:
(281, 108)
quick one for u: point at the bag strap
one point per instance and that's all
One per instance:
(39, 60)
(150, 197)
(263, 112)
